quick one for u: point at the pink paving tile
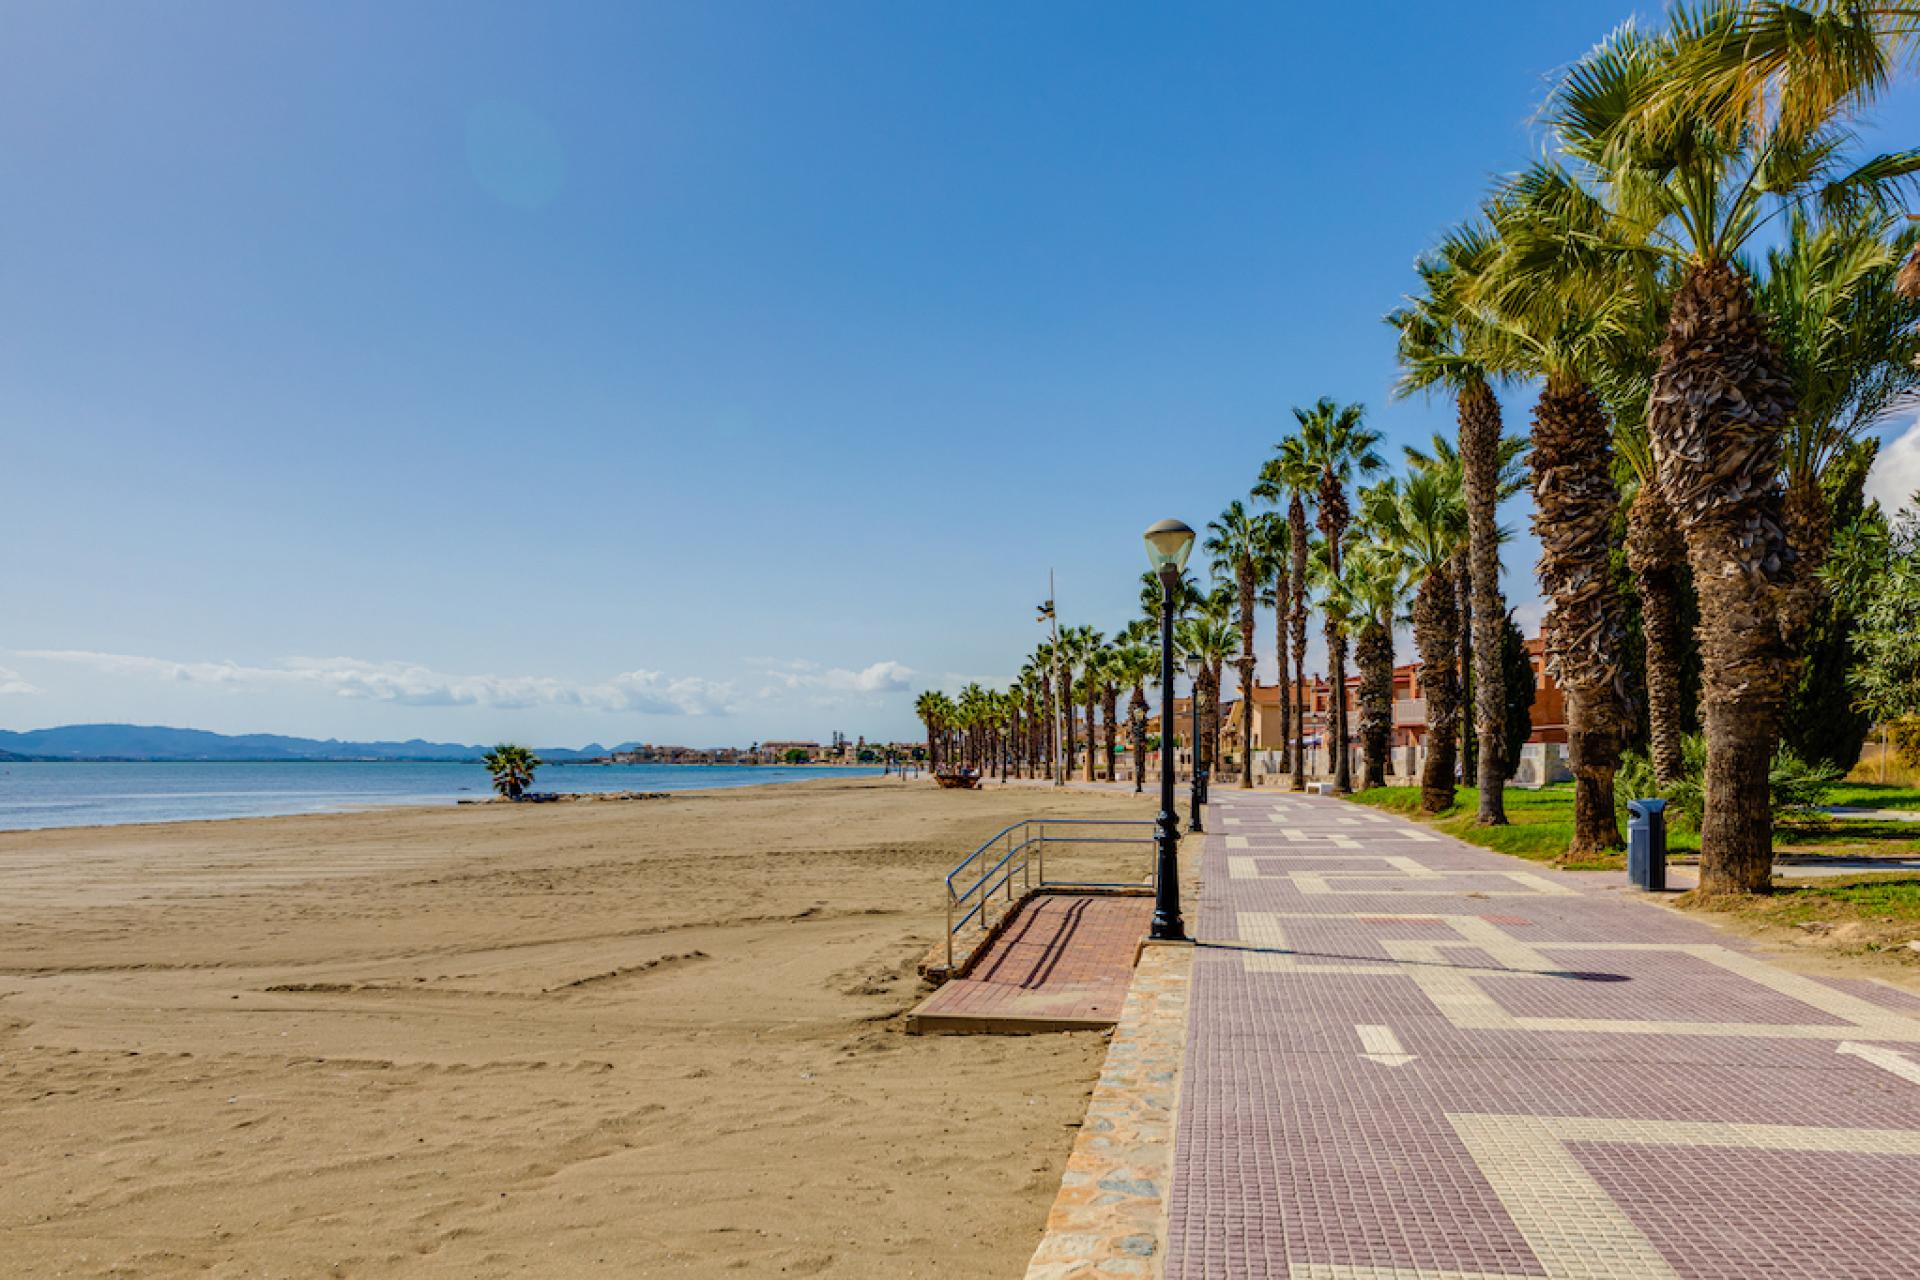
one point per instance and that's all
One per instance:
(1295, 1147)
(1744, 1215)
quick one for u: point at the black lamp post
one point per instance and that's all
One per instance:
(1168, 545)
(1197, 789)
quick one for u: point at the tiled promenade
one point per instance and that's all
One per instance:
(1410, 1059)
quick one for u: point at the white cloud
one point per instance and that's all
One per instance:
(648, 692)
(879, 677)
(12, 682)
(1895, 476)
(1528, 616)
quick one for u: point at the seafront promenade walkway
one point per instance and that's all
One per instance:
(1409, 1059)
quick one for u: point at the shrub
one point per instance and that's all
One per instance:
(1799, 786)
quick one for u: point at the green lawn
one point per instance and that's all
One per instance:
(1870, 912)
(1858, 914)
(1874, 795)
(1540, 823)
(1858, 837)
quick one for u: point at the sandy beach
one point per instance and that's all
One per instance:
(650, 1038)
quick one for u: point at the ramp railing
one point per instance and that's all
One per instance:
(1018, 856)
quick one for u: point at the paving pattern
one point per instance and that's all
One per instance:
(1062, 964)
(1410, 1059)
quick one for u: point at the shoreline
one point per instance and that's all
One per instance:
(324, 804)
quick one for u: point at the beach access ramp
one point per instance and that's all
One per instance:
(1025, 953)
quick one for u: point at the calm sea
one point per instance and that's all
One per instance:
(79, 795)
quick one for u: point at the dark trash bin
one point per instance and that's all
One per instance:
(1647, 844)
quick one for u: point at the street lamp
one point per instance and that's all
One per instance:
(1197, 788)
(1168, 545)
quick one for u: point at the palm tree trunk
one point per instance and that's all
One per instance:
(1463, 602)
(1297, 620)
(1091, 722)
(1246, 722)
(1593, 753)
(1654, 552)
(1065, 707)
(1719, 406)
(1436, 624)
(1137, 712)
(1584, 634)
(1110, 703)
(1480, 468)
(1374, 653)
(1213, 718)
(1280, 656)
(1340, 759)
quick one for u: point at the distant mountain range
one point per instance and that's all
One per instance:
(156, 742)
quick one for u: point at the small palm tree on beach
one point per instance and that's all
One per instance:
(512, 768)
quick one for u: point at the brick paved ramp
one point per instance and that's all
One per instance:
(1410, 1059)
(1063, 964)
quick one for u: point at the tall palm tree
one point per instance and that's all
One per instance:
(936, 710)
(1091, 647)
(1135, 663)
(1108, 670)
(1291, 474)
(1370, 591)
(1444, 459)
(1848, 341)
(1699, 188)
(1562, 331)
(1339, 444)
(1273, 553)
(1214, 638)
(1073, 645)
(1046, 664)
(1234, 541)
(1445, 344)
(1422, 519)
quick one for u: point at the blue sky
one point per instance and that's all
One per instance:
(683, 372)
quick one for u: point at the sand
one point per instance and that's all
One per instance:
(650, 1038)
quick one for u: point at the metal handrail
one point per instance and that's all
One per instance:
(1015, 862)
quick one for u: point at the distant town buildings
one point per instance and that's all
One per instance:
(838, 750)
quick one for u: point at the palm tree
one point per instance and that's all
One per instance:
(1340, 447)
(1444, 343)
(1090, 645)
(1110, 675)
(1848, 341)
(1698, 185)
(1444, 460)
(1214, 638)
(512, 768)
(1422, 519)
(1370, 591)
(1134, 663)
(1272, 556)
(1291, 474)
(935, 710)
(1235, 543)
(1563, 331)
(1073, 645)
